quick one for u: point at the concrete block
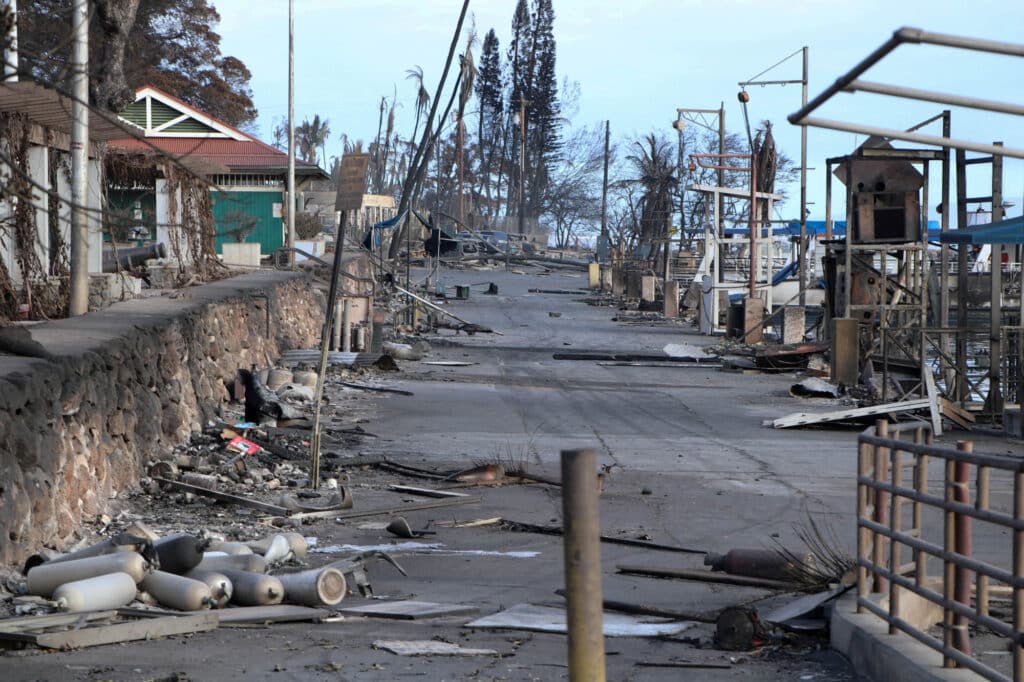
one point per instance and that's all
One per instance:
(876, 655)
(594, 276)
(845, 352)
(647, 288)
(241, 254)
(671, 299)
(753, 316)
(793, 321)
(606, 278)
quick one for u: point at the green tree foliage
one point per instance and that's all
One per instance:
(169, 44)
(490, 88)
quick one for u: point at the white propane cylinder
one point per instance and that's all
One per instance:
(45, 578)
(232, 548)
(318, 587)
(177, 591)
(219, 584)
(111, 591)
(252, 563)
(254, 589)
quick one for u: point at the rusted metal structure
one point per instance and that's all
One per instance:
(893, 514)
(949, 347)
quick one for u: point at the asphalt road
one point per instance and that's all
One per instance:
(691, 465)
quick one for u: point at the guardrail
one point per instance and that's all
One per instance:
(884, 456)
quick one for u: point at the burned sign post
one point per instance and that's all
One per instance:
(351, 186)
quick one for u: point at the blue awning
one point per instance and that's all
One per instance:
(1009, 231)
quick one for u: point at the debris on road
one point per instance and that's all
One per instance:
(409, 610)
(551, 619)
(429, 647)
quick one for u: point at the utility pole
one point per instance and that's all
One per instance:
(521, 115)
(290, 214)
(802, 81)
(10, 70)
(79, 266)
(604, 191)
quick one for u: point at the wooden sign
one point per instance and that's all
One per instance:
(351, 182)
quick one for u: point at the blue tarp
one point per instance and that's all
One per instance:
(814, 228)
(1009, 231)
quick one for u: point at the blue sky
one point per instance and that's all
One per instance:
(637, 61)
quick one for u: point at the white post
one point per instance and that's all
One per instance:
(11, 48)
(79, 299)
(290, 205)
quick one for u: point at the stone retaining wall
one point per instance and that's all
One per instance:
(128, 383)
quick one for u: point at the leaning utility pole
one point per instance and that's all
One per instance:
(290, 214)
(79, 267)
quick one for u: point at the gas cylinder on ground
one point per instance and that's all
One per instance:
(759, 563)
(219, 584)
(254, 589)
(318, 587)
(110, 591)
(177, 591)
(45, 578)
(231, 548)
(179, 553)
(296, 542)
(252, 563)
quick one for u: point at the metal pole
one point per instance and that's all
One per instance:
(802, 251)
(962, 249)
(604, 184)
(291, 135)
(964, 547)
(583, 565)
(754, 226)
(79, 266)
(994, 402)
(325, 342)
(522, 165)
(11, 49)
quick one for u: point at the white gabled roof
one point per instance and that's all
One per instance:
(214, 128)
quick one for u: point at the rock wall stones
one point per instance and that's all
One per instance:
(129, 383)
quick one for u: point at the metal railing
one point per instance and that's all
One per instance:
(882, 499)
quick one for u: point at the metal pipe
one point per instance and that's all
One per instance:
(964, 546)
(290, 215)
(346, 326)
(325, 335)
(881, 501)
(754, 226)
(799, 117)
(948, 567)
(1018, 569)
(937, 97)
(583, 566)
(802, 251)
(916, 35)
(896, 134)
(982, 502)
(79, 266)
(895, 519)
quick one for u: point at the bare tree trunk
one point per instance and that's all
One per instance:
(116, 19)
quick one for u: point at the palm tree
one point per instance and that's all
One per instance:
(422, 96)
(655, 168)
(311, 136)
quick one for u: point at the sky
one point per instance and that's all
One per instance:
(637, 61)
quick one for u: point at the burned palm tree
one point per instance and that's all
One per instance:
(766, 160)
(655, 169)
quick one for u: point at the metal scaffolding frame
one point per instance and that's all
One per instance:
(949, 343)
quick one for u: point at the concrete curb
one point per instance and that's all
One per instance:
(878, 656)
